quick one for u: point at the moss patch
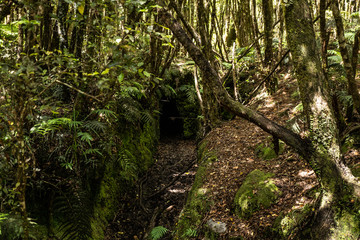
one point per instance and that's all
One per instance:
(134, 158)
(197, 205)
(258, 191)
(347, 226)
(285, 225)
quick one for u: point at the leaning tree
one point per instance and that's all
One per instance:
(340, 190)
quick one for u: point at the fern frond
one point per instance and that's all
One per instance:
(105, 112)
(95, 126)
(146, 117)
(129, 170)
(190, 233)
(85, 137)
(158, 232)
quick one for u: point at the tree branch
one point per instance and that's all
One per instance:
(78, 90)
(213, 79)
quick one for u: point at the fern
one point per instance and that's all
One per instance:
(95, 126)
(146, 117)
(129, 170)
(76, 211)
(190, 93)
(85, 137)
(105, 112)
(190, 233)
(158, 232)
(345, 98)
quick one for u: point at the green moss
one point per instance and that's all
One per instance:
(118, 176)
(197, 204)
(284, 225)
(257, 191)
(347, 227)
(266, 150)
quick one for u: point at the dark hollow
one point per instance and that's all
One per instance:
(171, 123)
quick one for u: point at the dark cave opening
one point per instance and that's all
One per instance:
(171, 122)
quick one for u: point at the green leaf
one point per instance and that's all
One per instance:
(147, 74)
(106, 71)
(121, 78)
(85, 136)
(81, 9)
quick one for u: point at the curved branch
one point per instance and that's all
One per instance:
(213, 79)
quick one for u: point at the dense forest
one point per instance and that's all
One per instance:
(90, 87)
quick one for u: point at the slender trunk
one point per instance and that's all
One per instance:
(352, 86)
(234, 73)
(256, 31)
(323, 34)
(267, 8)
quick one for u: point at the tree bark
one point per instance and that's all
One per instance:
(267, 8)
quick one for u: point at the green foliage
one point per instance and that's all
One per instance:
(266, 150)
(190, 233)
(158, 232)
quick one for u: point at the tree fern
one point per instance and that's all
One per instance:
(158, 232)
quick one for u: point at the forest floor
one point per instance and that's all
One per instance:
(162, 192)
(235, 143)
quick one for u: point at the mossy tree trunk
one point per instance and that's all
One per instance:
(335, 178)
(211, 107)
(321, 148)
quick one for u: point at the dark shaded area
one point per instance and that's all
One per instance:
(171, 123)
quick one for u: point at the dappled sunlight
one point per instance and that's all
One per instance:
(320, 103)
(304, 51)
(306, 173)
(311, 66)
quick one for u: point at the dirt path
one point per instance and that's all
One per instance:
(161, 193)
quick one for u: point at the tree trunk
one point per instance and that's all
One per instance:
(350, 72)
(267, 8)
(335, 178)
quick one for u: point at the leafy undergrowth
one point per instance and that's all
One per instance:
(235, 143)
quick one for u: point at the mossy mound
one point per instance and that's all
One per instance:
(348, 226)
(286, 224)
(258, 191)
(197, 205)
